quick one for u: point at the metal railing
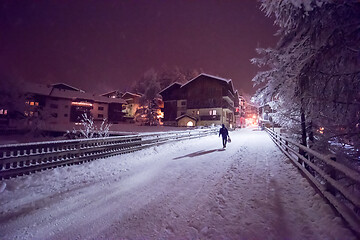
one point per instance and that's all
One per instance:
(331, 178)
(20, 159)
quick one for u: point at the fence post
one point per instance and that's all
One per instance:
(332, 173)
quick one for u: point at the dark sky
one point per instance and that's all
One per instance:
(105, 45)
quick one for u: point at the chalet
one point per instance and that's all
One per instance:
(132, 103)
(203, 101)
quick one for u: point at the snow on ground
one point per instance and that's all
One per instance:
(191, 189)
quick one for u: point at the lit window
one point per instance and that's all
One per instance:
(5, 112)
(198, 112)
(32, 103)
(36, 103)
(84, 104)
(190, 124)
(214, 112)
(210, 112)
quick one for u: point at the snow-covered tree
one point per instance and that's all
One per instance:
(313, 79)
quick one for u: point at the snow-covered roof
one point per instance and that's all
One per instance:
(50, 90)
(111, 92)
(185, 115)
(66, 86)
(84, 95)
(210, 76)
(131, 94)
(175, 83)
(227, 81)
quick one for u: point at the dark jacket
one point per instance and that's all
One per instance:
(224, 132)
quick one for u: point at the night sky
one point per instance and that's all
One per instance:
(99, 46)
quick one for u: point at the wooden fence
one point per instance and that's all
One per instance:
(336, 182)
(19, 159)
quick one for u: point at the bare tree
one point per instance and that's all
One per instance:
(90, 130)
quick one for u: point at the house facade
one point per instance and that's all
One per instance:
(203, 101)
(59, 106)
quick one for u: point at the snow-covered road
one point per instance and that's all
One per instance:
(185, 190)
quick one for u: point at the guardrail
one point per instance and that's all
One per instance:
(20, 159)
(331, 178)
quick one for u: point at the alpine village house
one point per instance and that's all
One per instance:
(203, 101)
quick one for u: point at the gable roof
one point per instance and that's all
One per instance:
(171, 85)
(209, 76)
(51, 91)
(66, 87)
(185, 115)
(129, 94)
(111, 92)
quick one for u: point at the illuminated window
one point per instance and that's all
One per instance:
(212, 112)
(84, 104)
(32, 103)
(3, 112)
(190, 124)
(36, 103)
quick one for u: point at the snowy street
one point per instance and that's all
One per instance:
(191, 189)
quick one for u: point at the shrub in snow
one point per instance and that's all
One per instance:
(89, 129)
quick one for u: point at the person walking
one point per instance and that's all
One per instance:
(224, 133)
